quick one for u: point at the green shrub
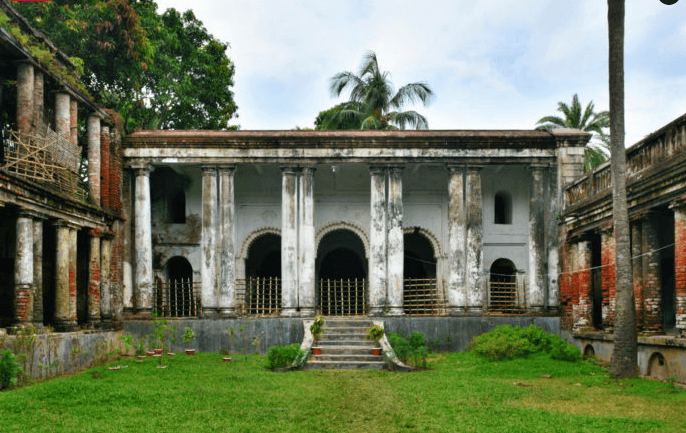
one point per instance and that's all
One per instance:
(9, 369)
(283, 356)
(505, 342)
(413, 351)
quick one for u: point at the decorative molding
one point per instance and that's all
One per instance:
(253, 236)
(438, 252)
(343, 225)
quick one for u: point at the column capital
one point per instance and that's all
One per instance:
(456, 168)
(377, 168)
(290, 169)
(678, 203)
(96, 233)
(208, 170)
(395, 168)
(30, 213)
(309, 169)
(95, 114)
(142, 168)
(226, 168)
(65, 224)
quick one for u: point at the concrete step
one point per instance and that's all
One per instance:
(361, 330)
(346, 342)
(343, 336)
(335, 323)
(367, 357)
(350, 365)
(339, 350)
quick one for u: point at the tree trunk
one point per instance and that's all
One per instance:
(624, 353)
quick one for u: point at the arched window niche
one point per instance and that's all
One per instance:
(502, 208)
(176, 206)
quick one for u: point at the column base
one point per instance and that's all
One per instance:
(475, 311)
(376, 311)
(395, 311)
(307, 312)
(227, 312)
(143, 314)
(289, 312)
(66, 326)
(456, 311)
(208, 313)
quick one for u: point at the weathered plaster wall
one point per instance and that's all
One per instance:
(509, 241)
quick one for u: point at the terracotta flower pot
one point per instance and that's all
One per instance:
(158, 351)
(190, 351)
(376, 351)
(140, 356)
(150, 353)
(316, 350)
(227, 359)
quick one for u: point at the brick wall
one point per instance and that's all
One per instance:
(607, 278)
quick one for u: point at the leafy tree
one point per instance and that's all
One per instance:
(625, 350)
(157, 71)
(373, 102)
(585, 120)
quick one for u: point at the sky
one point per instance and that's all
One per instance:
(492, 64)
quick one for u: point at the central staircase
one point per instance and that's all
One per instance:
(344, 346)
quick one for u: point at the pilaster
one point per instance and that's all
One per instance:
(63, 115)
(94, 262)
(679, 208)
(94, 159)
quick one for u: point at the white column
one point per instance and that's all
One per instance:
(537, 245)
(227, 254)
(143, 240)
(23, 271)
(94, 159)
(306, 243)
(289, 241)
(377, 239)
(208, 251)
(38, 272)
(457, 290)
(396, 251)
(63, 115)
(94, 278)
(475, 289)
(105, 294)
(63, 318)
(25, 89)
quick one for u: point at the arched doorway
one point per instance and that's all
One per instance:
(502, 293)
(421, 294)
(342, 274)
(177, 298)
(263, 275)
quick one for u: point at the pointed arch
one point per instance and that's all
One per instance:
(253, 236)
(438, 252)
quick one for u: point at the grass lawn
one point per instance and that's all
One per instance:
(460, 393)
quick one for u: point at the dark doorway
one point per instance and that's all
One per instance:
(263, 275)
(179, 300)
(342, 273)
(666, 243)
(502, 293)
(420, 288)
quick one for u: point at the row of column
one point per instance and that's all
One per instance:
(466, 289)
(28, 274)
(30, 101)
(646, 268)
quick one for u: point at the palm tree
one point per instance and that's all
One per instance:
(373, 103)
(624, 352)
(585, 120)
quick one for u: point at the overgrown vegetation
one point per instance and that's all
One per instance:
(9, 369)
(460, 392)
(506, 342)
(412, 351)
(283, 356)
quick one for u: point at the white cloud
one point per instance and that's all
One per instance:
(492, 64)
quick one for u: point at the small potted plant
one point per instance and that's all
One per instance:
(139, 347)
(316, 330)
(232, 335)
(375, 333)
(187, 337)
(172, 340)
